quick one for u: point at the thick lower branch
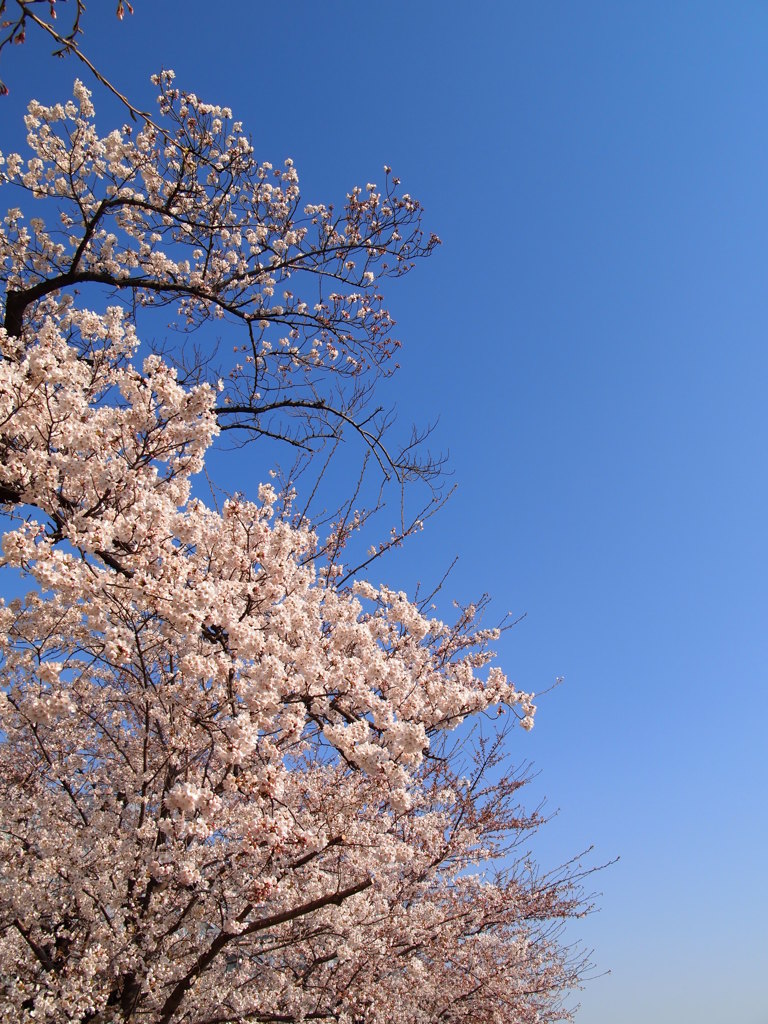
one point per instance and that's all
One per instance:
(173, 1001)
(40, 953)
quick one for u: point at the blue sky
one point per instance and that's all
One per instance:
(592, 337)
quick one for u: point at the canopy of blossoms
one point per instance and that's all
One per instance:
(228, 786)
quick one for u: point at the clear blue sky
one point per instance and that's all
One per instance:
(592, 334)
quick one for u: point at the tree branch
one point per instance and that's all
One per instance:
(173, 1001)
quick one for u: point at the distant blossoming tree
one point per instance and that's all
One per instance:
(228, 788)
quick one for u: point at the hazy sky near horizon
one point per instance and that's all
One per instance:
(591, 337)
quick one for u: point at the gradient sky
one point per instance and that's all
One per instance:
(592, 337)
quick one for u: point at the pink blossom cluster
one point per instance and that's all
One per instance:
(181, 213)
(228, 786)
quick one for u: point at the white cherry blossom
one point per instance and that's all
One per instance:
(231, 787)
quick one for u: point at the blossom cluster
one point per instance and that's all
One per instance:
(182, 214)
(228, 788)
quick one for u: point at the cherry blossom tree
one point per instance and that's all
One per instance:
(231, 782)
